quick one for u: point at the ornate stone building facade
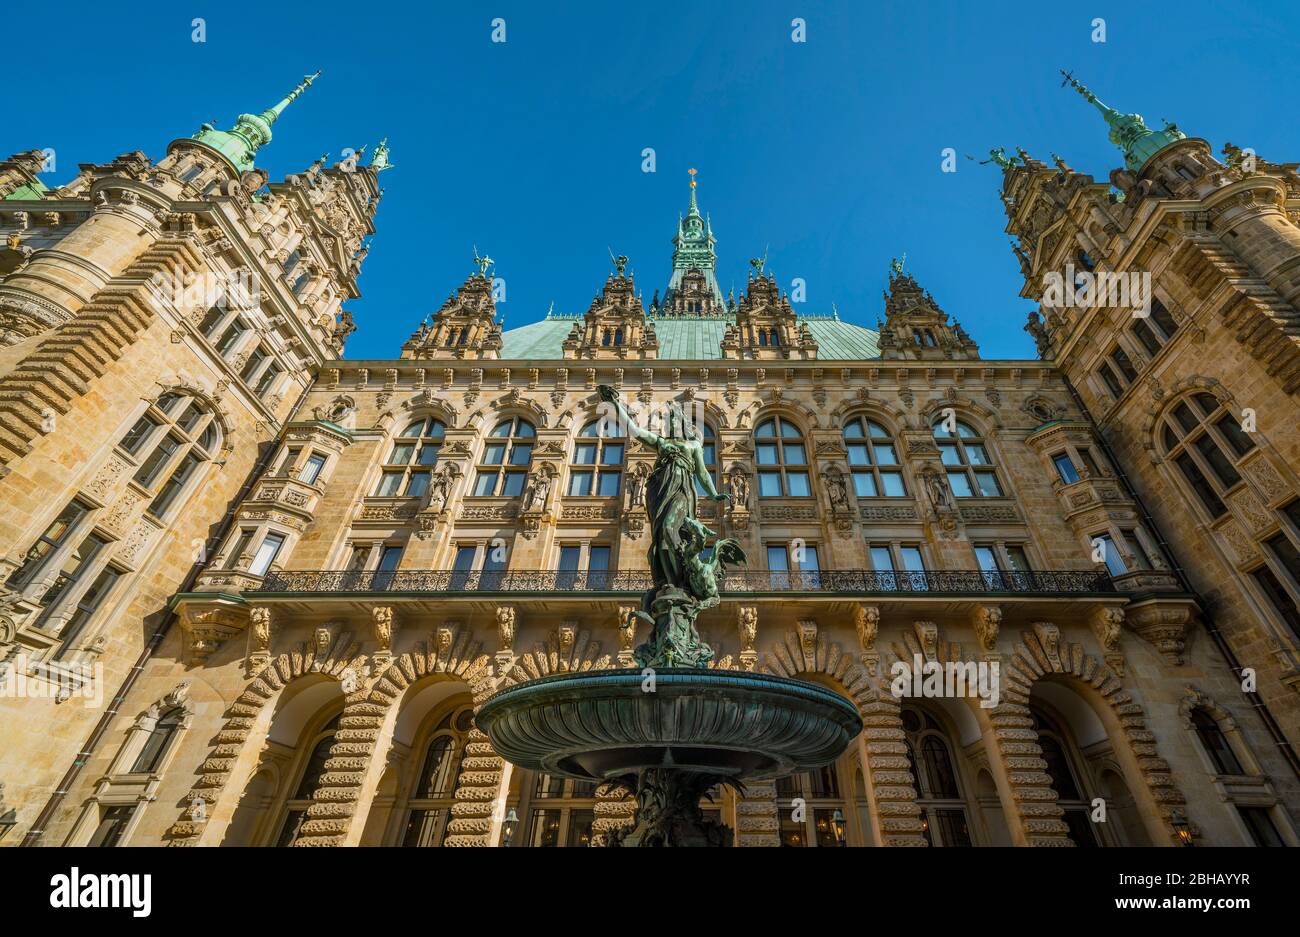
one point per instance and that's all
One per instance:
(294, 575)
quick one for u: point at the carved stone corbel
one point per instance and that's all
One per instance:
(1108, 625)
(808, 642)
(382, 623)
(507, 617)
(927, 635)
(207, 627)
(626, 633)
(987, 621)
(1163, 625)
(866, 618)
(259, 639)
(1049, 639)
(747, 626)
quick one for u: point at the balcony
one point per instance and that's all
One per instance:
(845, 582)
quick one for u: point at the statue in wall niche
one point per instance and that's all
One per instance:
(684, 582)
(636, 486)
(440, 489)
(536, 491)
(937, 488)
(738, 482)
(837, 489)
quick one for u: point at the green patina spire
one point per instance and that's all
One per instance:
(241, 142)
(693, 248)
(1129, 132)
(379, 161)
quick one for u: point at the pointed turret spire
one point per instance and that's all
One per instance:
(241, 142)
(1129, 132)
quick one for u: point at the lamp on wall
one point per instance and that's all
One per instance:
(1182, 828)
(508, 826)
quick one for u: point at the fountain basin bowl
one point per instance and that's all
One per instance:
(596, 725)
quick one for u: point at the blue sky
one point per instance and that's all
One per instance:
(827, 153)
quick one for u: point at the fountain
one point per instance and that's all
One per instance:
(673, 729)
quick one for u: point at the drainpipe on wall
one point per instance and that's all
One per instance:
(1255, 700)
(37, 831)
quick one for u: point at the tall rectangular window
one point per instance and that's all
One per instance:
(570, 563)
(1278, 597)
(157, 461)
(267, 380)
(75, 565)
(1065, 468)
(1263, 832)
(1110, 554)
(266, 554)
(175, 485)
(231, 336)
(47, 543)
(112, 826)
(89, 603)
(311, 468)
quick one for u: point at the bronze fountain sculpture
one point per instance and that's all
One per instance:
(676, 728)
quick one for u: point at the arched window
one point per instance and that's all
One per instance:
(1068, 780)
(1215, 743)
(782, 460)
(776, 338)
(1204, 440)
(169, 443)
(710, 445)
(945, 820)
(873, 459)
(503, 467)
(970, 470)
(597, 461)
(412, 458)
(618, 337)
(434, 789)
(158, 740)
(295, 808)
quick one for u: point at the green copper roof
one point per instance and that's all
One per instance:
(684, 338)
(30, 193)
(240, 143)
(1129, 132)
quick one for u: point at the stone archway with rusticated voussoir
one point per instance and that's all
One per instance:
(1040, 655)
(329, 657)
(806, 654)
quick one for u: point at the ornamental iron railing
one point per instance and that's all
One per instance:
(839, 581)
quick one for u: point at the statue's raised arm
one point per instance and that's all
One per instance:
(610, 396)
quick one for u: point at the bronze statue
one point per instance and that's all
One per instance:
(683, 583)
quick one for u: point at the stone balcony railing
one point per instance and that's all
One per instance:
(854, 582)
